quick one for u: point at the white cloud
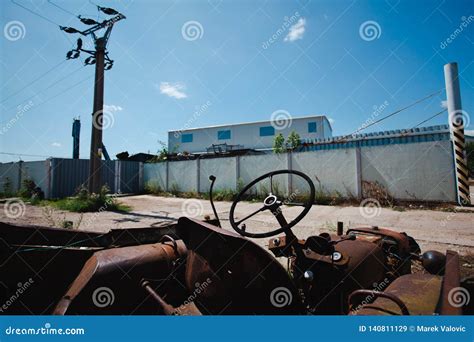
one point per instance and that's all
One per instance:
(56, 144)
(175, 90)
(469, 132)
(296, 31)
(112, 108)
(444, 104)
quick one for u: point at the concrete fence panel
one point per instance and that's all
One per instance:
(183, 175)
(225, 169)
(330, 170)
(251, 167)
(154, 175)
(421, 171)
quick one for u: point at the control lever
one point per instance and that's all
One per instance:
(212, 179)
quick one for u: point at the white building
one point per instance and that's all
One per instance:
(251, 135)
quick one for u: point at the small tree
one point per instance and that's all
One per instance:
(293, 140)
(279, 143)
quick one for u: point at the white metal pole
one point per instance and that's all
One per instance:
(457, 118)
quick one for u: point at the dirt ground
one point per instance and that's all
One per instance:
(433, 229)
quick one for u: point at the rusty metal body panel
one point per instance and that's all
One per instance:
(130, 263)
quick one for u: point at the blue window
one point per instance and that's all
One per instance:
(267, 131)
(312, 128)
(187, 138)
(223, 135)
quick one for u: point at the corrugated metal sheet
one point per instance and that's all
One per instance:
(406, 136)
(69, 174)
(129, 177)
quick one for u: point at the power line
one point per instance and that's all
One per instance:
(34, 81)
(64, 91)
(397, 111)
(35, 13)
(62, 9)
(430, 118)
(48, 87)
(24, 155)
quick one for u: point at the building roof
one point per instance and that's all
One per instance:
(250, 123)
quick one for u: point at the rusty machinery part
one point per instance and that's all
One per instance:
(234, 274)
(400, 249)
(137, 261)
(451, 282)
(434, 262)
(274, 204)
(328, 279)
(422, 294)
(357, 294)
(186, 309)
(166, 237)
(167, 309)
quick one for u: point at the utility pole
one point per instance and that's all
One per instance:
(102, 62)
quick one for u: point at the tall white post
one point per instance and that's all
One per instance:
(457, 118)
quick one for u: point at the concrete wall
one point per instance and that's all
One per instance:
(415, 171)
(247, 135)
(422, 171)
(225, 169)
(330, 170)
(183, 175)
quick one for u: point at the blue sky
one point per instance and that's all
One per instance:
(242, 60)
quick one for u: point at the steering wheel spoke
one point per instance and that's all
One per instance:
(250, 215)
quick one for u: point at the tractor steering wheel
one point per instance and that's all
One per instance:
(272, 203)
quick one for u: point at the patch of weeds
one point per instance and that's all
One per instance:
(86, 202)
(59, 221)
(154, 188)
(377, 191)
(174, 189)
